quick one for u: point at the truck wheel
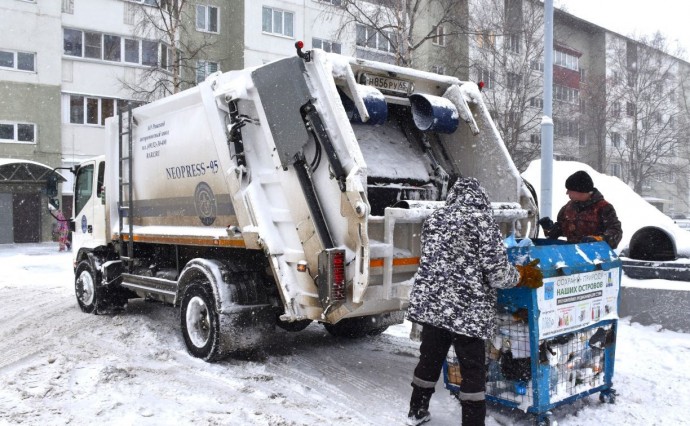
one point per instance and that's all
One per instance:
(200, 323)
(88, 293)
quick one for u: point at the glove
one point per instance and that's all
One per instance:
(546, 223)
(530, 275)
(592, 239)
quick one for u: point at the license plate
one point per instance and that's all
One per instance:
(387, 84)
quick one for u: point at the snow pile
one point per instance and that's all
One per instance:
(633, 211)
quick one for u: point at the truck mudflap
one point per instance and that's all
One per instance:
(246, 327)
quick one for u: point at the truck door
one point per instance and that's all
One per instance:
(84, 196)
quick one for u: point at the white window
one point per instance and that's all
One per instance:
(616, 170)
(440, 36)
(371, 38)
(536, 102)
(17, 132)
(333, 2)
(276, 21)
(207, 18)
(113, 48)
(146, 2)
(513, 43)
(91, 110)
(22, 61)
(328, 46)
(487, 77)
(204, 69)
(538, 65)
(566, 60)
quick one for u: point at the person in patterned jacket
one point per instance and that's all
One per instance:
(587, 217)
(453, 297)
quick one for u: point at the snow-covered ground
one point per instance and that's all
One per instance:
(59, 366)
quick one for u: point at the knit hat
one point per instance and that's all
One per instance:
(579, 181)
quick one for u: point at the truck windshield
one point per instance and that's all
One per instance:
(83, 188)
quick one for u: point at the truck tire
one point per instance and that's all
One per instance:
(92, 297)
(88, 294)
(200, 323)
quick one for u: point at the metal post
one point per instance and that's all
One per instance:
(545, 208)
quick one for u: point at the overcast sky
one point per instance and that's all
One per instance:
(636, 17)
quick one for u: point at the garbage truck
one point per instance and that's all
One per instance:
(281, 195)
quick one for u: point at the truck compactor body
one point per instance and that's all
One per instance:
(283, 194)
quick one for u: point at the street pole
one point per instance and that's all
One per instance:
(546, 196)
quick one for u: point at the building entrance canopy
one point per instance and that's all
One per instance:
(22, 171)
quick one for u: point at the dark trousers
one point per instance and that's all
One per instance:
(471, 355)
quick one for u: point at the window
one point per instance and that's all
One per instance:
(583, 138)
(149, 53)
(368, 37)
(513, 43)
(566, 94)
(565, 60)
(17, 132)
(582, 74)
(91, 110)
(333, 2)
(328, 46)
(566, 128)
(630, 109)
(204, 69)
(439, 38)
(536, 102)
(487, 77)
(207, 18)
(83, 188)
(486, 39)
(616, 140)
(275, 21)
(438, 69)
(132, 51)
(616, 170)
(616, 109)
(535, 139)
(146, 2)
(111, 48)
(538, 65)
(22, 61)
(513, 80)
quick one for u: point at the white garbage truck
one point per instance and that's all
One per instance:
(281, 195)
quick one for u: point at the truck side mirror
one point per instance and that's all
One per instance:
(52, 186)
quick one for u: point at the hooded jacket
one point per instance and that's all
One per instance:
(463, 262)
(596, 216)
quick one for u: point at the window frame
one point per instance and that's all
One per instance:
(439, 39)
(321, 42)
(119, 51)
(207, 28)
(205, 64)
(16, 132)
(15, 60)
(282, 32)
(103, 105)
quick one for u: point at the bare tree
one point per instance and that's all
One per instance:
(507, 55)
(402, 27)
(172, 23)
(645, 86)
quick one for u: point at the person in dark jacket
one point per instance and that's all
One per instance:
(453, 297)
(587, 217)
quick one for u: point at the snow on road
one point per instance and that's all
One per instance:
(60, 366)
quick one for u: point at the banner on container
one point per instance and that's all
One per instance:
(573, 302)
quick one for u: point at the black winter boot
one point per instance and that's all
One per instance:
(419, 405)
(473, 413)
